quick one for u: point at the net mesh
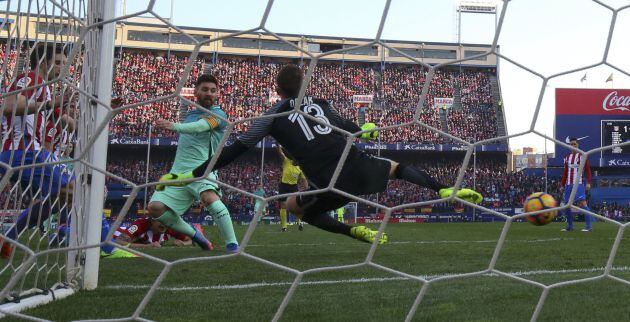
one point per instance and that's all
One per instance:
(56, 25)
(35, 265)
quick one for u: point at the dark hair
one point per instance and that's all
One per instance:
(289, 80)
(47, 51)
(573, 139)
(206, 78)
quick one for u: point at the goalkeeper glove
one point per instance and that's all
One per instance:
(369, 135)
(173, 176)
(464, 193)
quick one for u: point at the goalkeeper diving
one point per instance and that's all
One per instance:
(317, 149)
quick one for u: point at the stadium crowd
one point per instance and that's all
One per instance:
(247, 90)
(613, 211)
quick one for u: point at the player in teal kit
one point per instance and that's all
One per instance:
(199, 131)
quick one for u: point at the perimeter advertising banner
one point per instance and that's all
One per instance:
(596, 117)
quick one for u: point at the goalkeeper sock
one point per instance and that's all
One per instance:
(176, 223)
(221, 216)
(283, 218)
(417, 176)
(327, 223)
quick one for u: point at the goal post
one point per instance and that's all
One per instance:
(97, 154)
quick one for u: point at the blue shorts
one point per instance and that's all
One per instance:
(580, 194)
(47, 178)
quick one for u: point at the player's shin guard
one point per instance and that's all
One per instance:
(221, 216)
(327, 223)
(30, 217)
(176, 223)
(283, 218)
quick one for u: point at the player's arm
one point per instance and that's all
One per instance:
(129, 241)
(207, 123)
(280, 153)
(256, 132)
(589, 176)
(339, 121)
(198, 126)
(19, 105)
(565, 174)
(182, 241)
(350, 126)
(68, 122)
(302, 182)
(126, 240)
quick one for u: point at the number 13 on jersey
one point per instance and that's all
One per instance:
(306, 129)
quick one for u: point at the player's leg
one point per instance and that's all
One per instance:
(167, 206)
(283, 215)
(588, 219)
(567, 212)
(219, 212)
(580, 198)
(313, 209)
(422, 178)
(282, 189)
(43, 182)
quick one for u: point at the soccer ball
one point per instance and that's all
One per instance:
(539, 201)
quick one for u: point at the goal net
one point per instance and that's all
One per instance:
(53, 181)
(56, 71)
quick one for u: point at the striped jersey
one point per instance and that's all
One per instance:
(55, 135)
(571, 167)
(141, 233)
(24, 132)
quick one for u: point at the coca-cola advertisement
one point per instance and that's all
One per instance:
(596, 118)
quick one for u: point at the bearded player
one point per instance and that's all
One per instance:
(317, 149)
(199, 136)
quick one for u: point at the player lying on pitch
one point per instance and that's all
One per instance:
(317, 149)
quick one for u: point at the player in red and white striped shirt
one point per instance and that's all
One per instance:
(570, 176)
(146, 232)
(25, 113)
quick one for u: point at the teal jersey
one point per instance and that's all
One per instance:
(69, 165)
(261, 193)
(193, 149)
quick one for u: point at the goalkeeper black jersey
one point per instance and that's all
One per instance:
(316, 147)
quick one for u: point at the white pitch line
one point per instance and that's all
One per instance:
(417, 242)
(351, 281)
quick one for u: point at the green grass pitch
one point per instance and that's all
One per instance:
(240, 289)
